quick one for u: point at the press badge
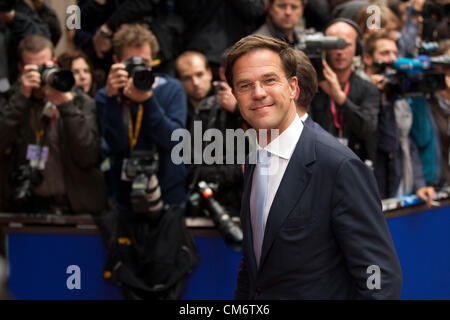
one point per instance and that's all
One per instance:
(37, 156)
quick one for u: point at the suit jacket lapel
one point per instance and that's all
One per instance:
(294, 181)
(245, 216)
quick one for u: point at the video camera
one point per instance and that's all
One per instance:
(413, 77)
(314, 47)
(61, 80)
(6, 5)
(141, 73)
(141, 168)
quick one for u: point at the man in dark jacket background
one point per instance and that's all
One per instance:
(50, 141)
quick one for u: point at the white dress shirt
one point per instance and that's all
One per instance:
(281, 150)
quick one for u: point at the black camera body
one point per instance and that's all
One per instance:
(141, 72)
(24, 179)
(7, 5)
(51, 74)
(145, 195)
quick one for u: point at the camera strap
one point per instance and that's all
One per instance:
(133, 136)
(339, 123)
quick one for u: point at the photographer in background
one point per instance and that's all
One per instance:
(50, 139)
(17, 21)
(346, 105)
(138, 111)
(213, 106)
(141, 119)
(439, 104)
(398, 167)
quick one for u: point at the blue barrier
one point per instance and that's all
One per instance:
(39, 262)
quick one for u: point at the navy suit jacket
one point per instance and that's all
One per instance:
(324, 230)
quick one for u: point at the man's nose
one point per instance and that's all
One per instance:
(259, 91)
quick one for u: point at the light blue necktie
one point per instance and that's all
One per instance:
(259, 197)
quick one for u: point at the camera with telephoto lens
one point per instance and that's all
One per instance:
(141, 73)
(204, 198)
(315, 45)
(24, 179)
(145, 196)
(6, 5)
(51, 74)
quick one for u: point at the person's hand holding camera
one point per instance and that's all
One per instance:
(30, 79)
(225, 96)
(102, 41)
(7, 17)
(57, 97)
(117, 79)
(378, 80)
(134, 94)
(331, 85)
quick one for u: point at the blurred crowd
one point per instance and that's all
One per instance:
(82, 141)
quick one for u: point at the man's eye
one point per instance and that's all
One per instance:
(244, 86)
(269, 81)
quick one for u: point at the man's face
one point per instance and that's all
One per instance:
(144, 51)
(264, 95)
(342, 59)
(37, 59)
(385, 51)
(286, 14)
(194, 75)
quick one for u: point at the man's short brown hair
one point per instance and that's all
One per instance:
(370, 40)
(35, 43)
(253, 42)
(307, 80)
(134, 35)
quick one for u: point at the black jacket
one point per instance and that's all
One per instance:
(360, 112)
(79, 144)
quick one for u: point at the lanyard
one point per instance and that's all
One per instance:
(339, 123)
(38, 133)
(133, 137)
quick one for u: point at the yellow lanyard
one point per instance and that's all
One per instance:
(134, 136)
(37, 133)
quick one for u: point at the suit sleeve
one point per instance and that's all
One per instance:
(362, 233)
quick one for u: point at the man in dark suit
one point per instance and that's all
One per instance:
(311, 213)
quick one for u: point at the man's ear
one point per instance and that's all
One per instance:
(368, 61)
(295, 89)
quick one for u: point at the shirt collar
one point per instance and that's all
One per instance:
(304, 117)
(283, 146)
